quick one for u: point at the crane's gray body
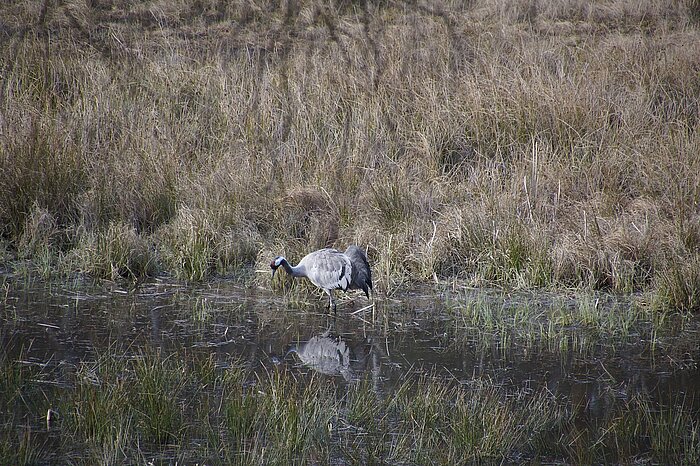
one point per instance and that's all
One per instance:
(330, 269)
(327, 269)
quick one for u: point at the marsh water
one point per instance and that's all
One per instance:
(592, 367)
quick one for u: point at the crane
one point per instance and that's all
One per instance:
(330, 269)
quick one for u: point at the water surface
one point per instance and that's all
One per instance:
(62, 327)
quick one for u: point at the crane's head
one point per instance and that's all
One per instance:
(276, 262)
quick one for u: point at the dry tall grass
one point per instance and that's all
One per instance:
(527, 143)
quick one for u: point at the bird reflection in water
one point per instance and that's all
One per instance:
(334, 356)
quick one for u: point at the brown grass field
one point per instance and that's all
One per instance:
(519, 144)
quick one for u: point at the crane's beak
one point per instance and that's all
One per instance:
(274, 269)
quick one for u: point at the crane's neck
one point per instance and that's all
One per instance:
(297, 271)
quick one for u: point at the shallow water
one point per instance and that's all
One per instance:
(419, 333)
(64, 326)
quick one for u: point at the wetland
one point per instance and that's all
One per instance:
(168, 373)
(523, 176)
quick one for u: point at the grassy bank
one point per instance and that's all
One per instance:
(521, 143)
(184, 407)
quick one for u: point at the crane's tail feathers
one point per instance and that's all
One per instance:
(361, 273)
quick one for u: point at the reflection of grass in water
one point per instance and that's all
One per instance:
(561, 323)
(202, 309)
(182, 407)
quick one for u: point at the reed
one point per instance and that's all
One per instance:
(524, 145)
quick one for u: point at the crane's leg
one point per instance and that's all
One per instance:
(331, 301)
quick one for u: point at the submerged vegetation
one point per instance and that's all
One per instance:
(526, 143)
